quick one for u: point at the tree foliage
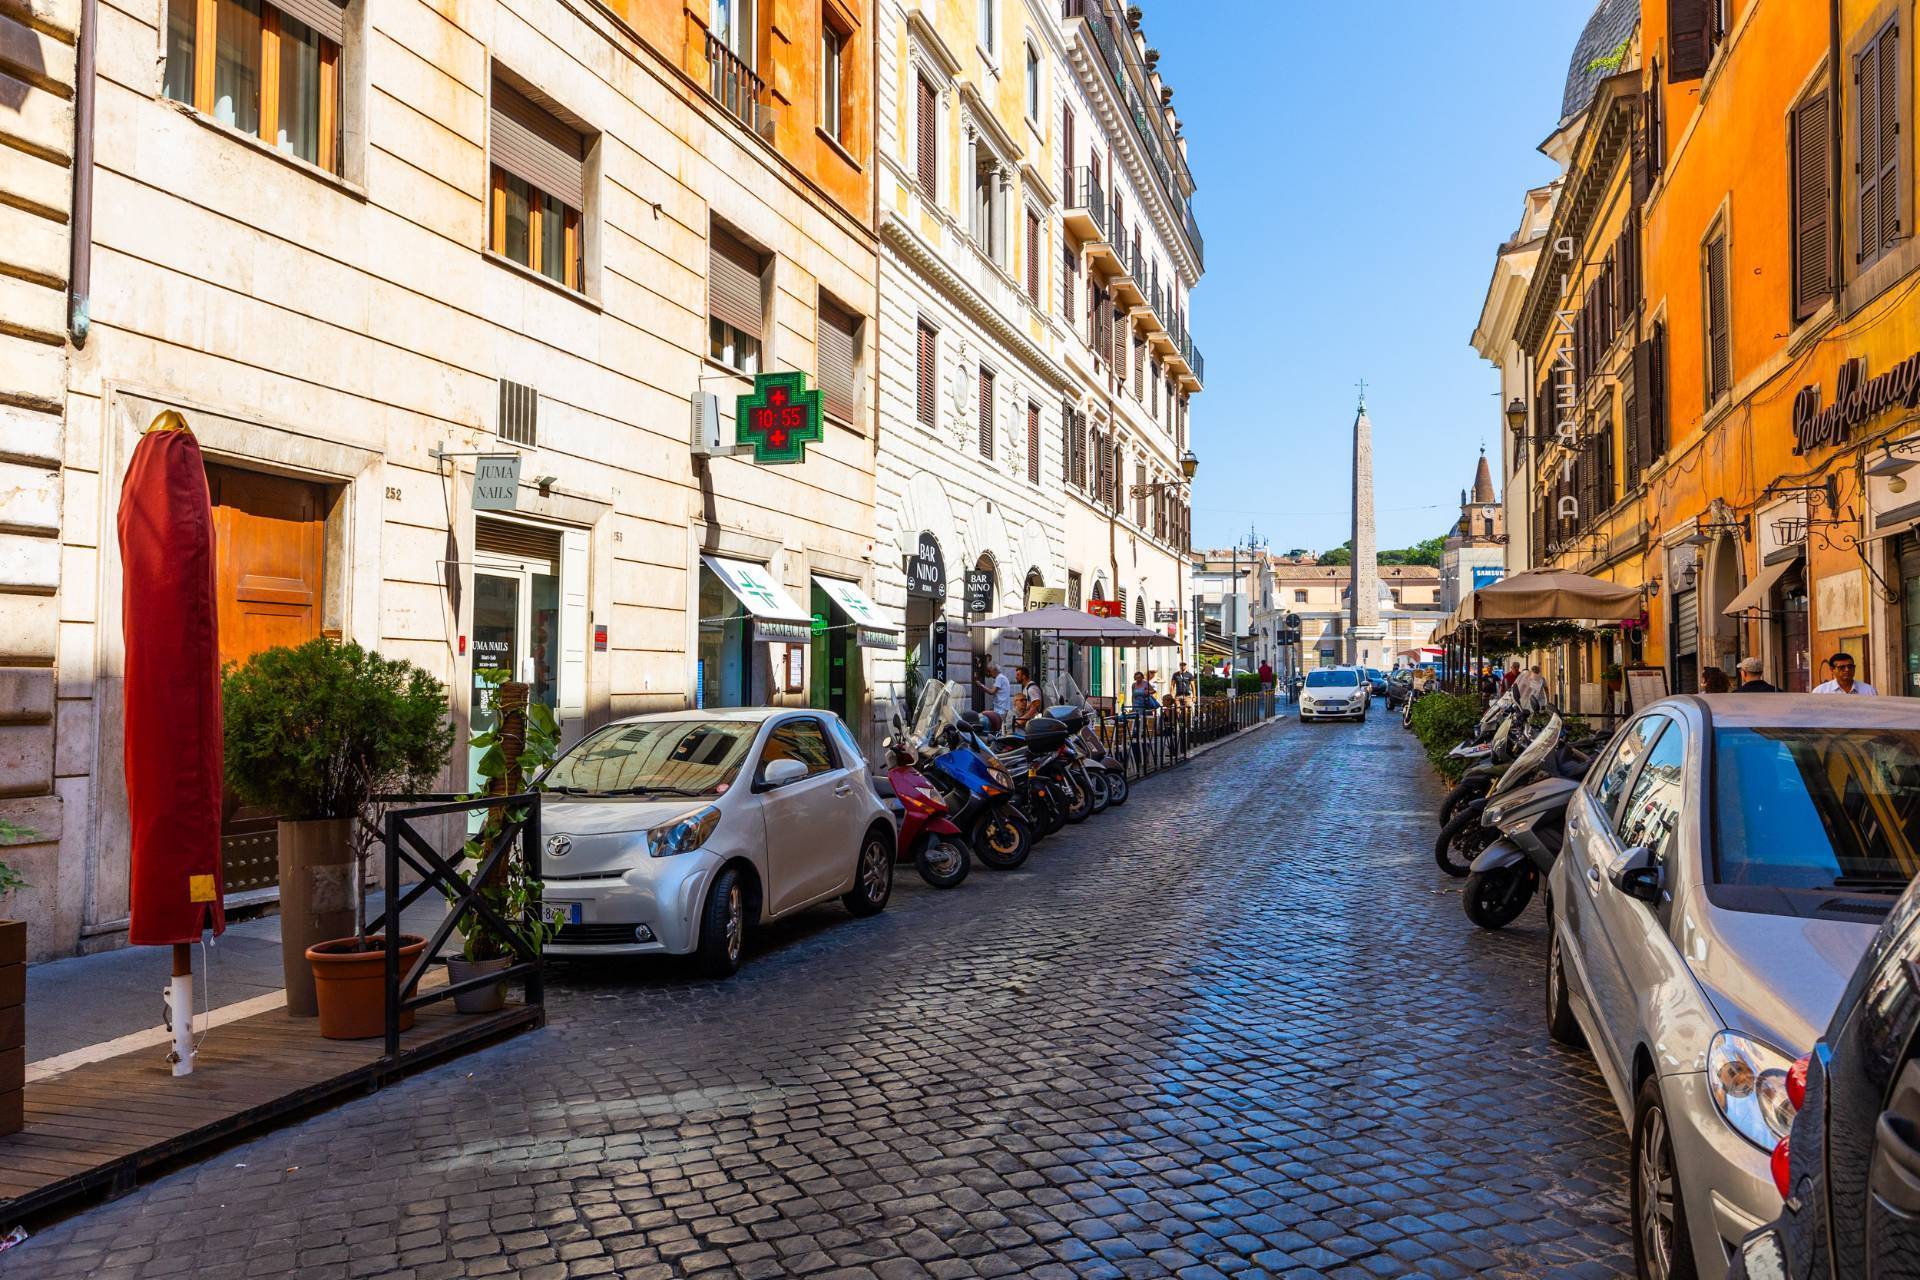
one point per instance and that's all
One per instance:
(1426, 553)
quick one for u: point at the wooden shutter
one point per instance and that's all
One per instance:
(1866, 75)
(1080, 449)
(733, 283)
(1066, 442)
(536, 148)
(924, 375)
(1066, 154)
(1641, 165)
(1640, 450)
(1812, 212)
(1880, 149)
(926, 115)
(836, 332)
(1069, 281)
(1657, 389)
(1033, 256)
(1033, 442)
(986, 412)
(1719, 356)
(1630, 442)
(1657, 124)
(1690, 25)
(326, 17)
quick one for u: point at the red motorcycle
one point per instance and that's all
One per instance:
(927, 834)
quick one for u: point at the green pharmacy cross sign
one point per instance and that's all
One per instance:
(780, 418)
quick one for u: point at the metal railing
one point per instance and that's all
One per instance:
(1086, 193)
(406, 845)
(737, 88)
(1149, 741)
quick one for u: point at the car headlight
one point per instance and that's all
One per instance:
(1748, 1081)
(684, 834)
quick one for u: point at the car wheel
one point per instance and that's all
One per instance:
(1661, 1247)
(1561, 1024)
(873, 877)
(723, 927)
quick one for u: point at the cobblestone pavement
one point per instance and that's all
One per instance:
(1239, 1027)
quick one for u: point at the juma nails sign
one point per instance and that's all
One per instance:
(1856, 400)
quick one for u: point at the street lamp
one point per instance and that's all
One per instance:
(1517, 414)
(1189, 463)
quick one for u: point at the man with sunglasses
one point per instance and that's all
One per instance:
(1841, 665)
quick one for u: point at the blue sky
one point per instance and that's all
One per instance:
(1358, 166)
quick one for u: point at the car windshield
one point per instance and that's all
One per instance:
(1817, 808)
(1332, 679)
(671, 757)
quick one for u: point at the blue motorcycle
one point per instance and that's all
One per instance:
(979, 791)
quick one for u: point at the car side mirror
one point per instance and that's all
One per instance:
(1638, 874)
(781, 772)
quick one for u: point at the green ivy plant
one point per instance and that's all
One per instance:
(12, 833)
(513, 893)
(1610, 62)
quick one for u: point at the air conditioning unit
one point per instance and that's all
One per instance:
(708, 434)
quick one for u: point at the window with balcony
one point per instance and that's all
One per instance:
(736, 304)
(733, 55)
(732, 22)
(537, 174)
(272, 71)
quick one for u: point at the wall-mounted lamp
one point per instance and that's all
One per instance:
(1892, 467)
(545, 485)
(1189, 463)
(1517, 414)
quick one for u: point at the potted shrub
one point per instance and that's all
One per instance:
(318, 734)
(523, 742)
(13, 992)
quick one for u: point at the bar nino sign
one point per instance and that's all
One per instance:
(496, 482)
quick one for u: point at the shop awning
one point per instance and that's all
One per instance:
(775, 615)
(871, 630)
(1754, 596)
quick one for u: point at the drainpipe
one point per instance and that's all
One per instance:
(1836, 247)
(80, 263)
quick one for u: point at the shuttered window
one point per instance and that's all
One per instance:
(529, 142)
(1033, 442)
(926, 115)
(538, 187)
(923, 398)
(986, 412)
(1878, 84)
(1690, 34)
(1811, 193)
(1033, 257)
(1080, 449)
(1719, 352)
(838, 338)
(1069, 281)
(1066, 153)
(734, 302)
(1139, 368)
(1066, 442)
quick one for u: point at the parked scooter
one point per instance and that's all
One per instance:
(1546, 754)
(1034, 795)
(1074, 711)
(1491, 749)
(927, 834)
(978, 790)
(1532, 824)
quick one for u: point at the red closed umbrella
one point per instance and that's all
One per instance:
(174, 750)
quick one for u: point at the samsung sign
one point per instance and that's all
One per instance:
(1485, 575)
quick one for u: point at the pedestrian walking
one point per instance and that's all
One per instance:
(1266, 674)
(1143, 699)
(1513, 676)
(1530, 689)
(1714, 680)
(1752, 679)
(1842, 667)
(999, 693)
(1030, 692)
(1183, 687)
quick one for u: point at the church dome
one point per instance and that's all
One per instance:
(1610, 26)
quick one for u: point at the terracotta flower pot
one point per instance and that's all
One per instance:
(481, 999)
(351, 985)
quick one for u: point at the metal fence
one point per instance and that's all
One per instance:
(1149, 741)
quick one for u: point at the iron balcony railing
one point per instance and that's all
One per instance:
(733, 83)
(1085, 193)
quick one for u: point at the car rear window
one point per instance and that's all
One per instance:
(1817, 808)
(1332, 679)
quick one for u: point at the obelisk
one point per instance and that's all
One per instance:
(1366, 638)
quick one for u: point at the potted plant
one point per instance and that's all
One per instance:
(318, 734)
(523, 742)
(13, 992)
(1610, 676)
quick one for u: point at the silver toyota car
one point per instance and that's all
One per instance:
(1727, 861)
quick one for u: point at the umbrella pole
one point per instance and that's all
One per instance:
(181, 995)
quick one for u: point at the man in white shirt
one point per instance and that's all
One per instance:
(1841, 665)
(999, 693)
(1530, 689)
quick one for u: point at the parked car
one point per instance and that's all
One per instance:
(1850, 1169)
(679, 833)
(1376, 681)
(1399, 687)
(1334, 693)
(1726, 863)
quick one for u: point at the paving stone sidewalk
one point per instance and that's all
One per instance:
(1239, 1027)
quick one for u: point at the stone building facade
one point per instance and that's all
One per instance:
(383, 238)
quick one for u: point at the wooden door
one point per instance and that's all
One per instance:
(269, 535)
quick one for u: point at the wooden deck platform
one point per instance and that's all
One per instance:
(100, 1128)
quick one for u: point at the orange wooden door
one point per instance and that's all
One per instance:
(270, 554)
(269, 535)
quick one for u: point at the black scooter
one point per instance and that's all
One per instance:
(1532, 825)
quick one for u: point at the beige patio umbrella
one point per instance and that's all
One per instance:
(1542, 595)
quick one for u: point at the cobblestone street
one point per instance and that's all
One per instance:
(1239, 1027)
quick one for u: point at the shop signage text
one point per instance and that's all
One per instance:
(1166, 615)
(1045, 597)
(927, 570)
(1856, 401)
(939, 643)
(780, 418)
(496, 482)
(980, 591)
(1105, 608)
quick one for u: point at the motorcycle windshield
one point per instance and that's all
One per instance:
(935, 711)
(1531, 759)
(1065, 692)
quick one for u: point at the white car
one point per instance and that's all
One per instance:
(676, 834)
(1334, 693)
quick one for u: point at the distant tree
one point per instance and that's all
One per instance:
(1426, 553)
(1342, 554)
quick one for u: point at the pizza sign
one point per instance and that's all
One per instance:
(780, 418)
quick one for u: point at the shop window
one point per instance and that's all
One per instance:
(272, 71)
(736, 308)
(537, 169)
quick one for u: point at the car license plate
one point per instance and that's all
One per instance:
(565, 912)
